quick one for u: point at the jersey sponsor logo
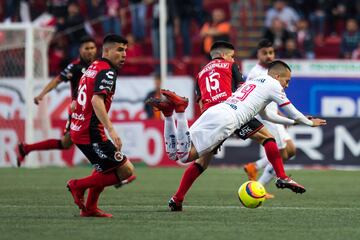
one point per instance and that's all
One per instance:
(212, 66)
(75, 127)
(119, 156)
(233, 106)
(76, 116)
(90, 73)
(110, 75)
(98, 151)
(262, 80)
(218, 96)
(108, 82)
(244, 131)
(101, 87)
(97, 167)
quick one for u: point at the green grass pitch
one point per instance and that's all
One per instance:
(34, 204)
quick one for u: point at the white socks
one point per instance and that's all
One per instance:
(170, 137)
(267, 175)
(261, 163)
(177, 140)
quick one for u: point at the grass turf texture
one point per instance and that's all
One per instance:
(34, 204)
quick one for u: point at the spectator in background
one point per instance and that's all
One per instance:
(356, 53)
(171, 26)
(305, 39)
(218, 29)
(350, 39)
(114, 12)
(95, 9)
(58, 8)
(338, 13)
(17, 11)
(277, 34)
(317, 21)
(134, 54)
(187, 11)
(291, 50)
(285, 13)
(2, 12)
(138, 16)
(149, 110)
(74, 27)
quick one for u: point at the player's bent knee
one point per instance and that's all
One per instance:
(125, 171)
(291, 149)
(268, 140)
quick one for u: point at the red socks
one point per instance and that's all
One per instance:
(44, 145)
(274, 157)
(93, 196)
(97, 180)
(188, 178)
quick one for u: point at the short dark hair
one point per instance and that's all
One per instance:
(86, 39)
(264, 43)
(114, 38)
(222, 44)
(278, 64)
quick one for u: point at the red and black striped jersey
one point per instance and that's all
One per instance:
(217, 81)
(72, 73)
(99, 79)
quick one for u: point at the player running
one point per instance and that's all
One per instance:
(215, 83)
(219, 122)
(89, 121)
(265, 55)
(72, 73)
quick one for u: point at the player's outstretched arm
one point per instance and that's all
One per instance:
(300, 118)
(275, 118)
(50, 86)
(98, 104)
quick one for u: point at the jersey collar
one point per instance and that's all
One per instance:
(108, 61)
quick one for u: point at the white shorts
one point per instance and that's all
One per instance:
(213, 127)
(279, 132)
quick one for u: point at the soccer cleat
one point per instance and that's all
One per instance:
(174, 205)
(251, 171)
(180, 103)
(77, 194)
(291, 184)
(269, 196)
(165, 106)
(126, 181)
(95, 213)
(21, 154)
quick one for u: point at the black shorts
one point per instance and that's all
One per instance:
(249, 129)
(103, 155)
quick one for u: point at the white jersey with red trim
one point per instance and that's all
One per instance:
(257, 71)
(254, 95)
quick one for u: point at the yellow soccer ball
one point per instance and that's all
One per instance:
(251, 194)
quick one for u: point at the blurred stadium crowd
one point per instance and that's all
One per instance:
(308, 29)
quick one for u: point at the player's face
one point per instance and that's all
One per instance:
(117, 54)
(229, 55)
(284, 79)
(88, 51)
(266, 55)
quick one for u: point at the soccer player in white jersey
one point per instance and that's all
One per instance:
(265, 55)
(220, 121)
